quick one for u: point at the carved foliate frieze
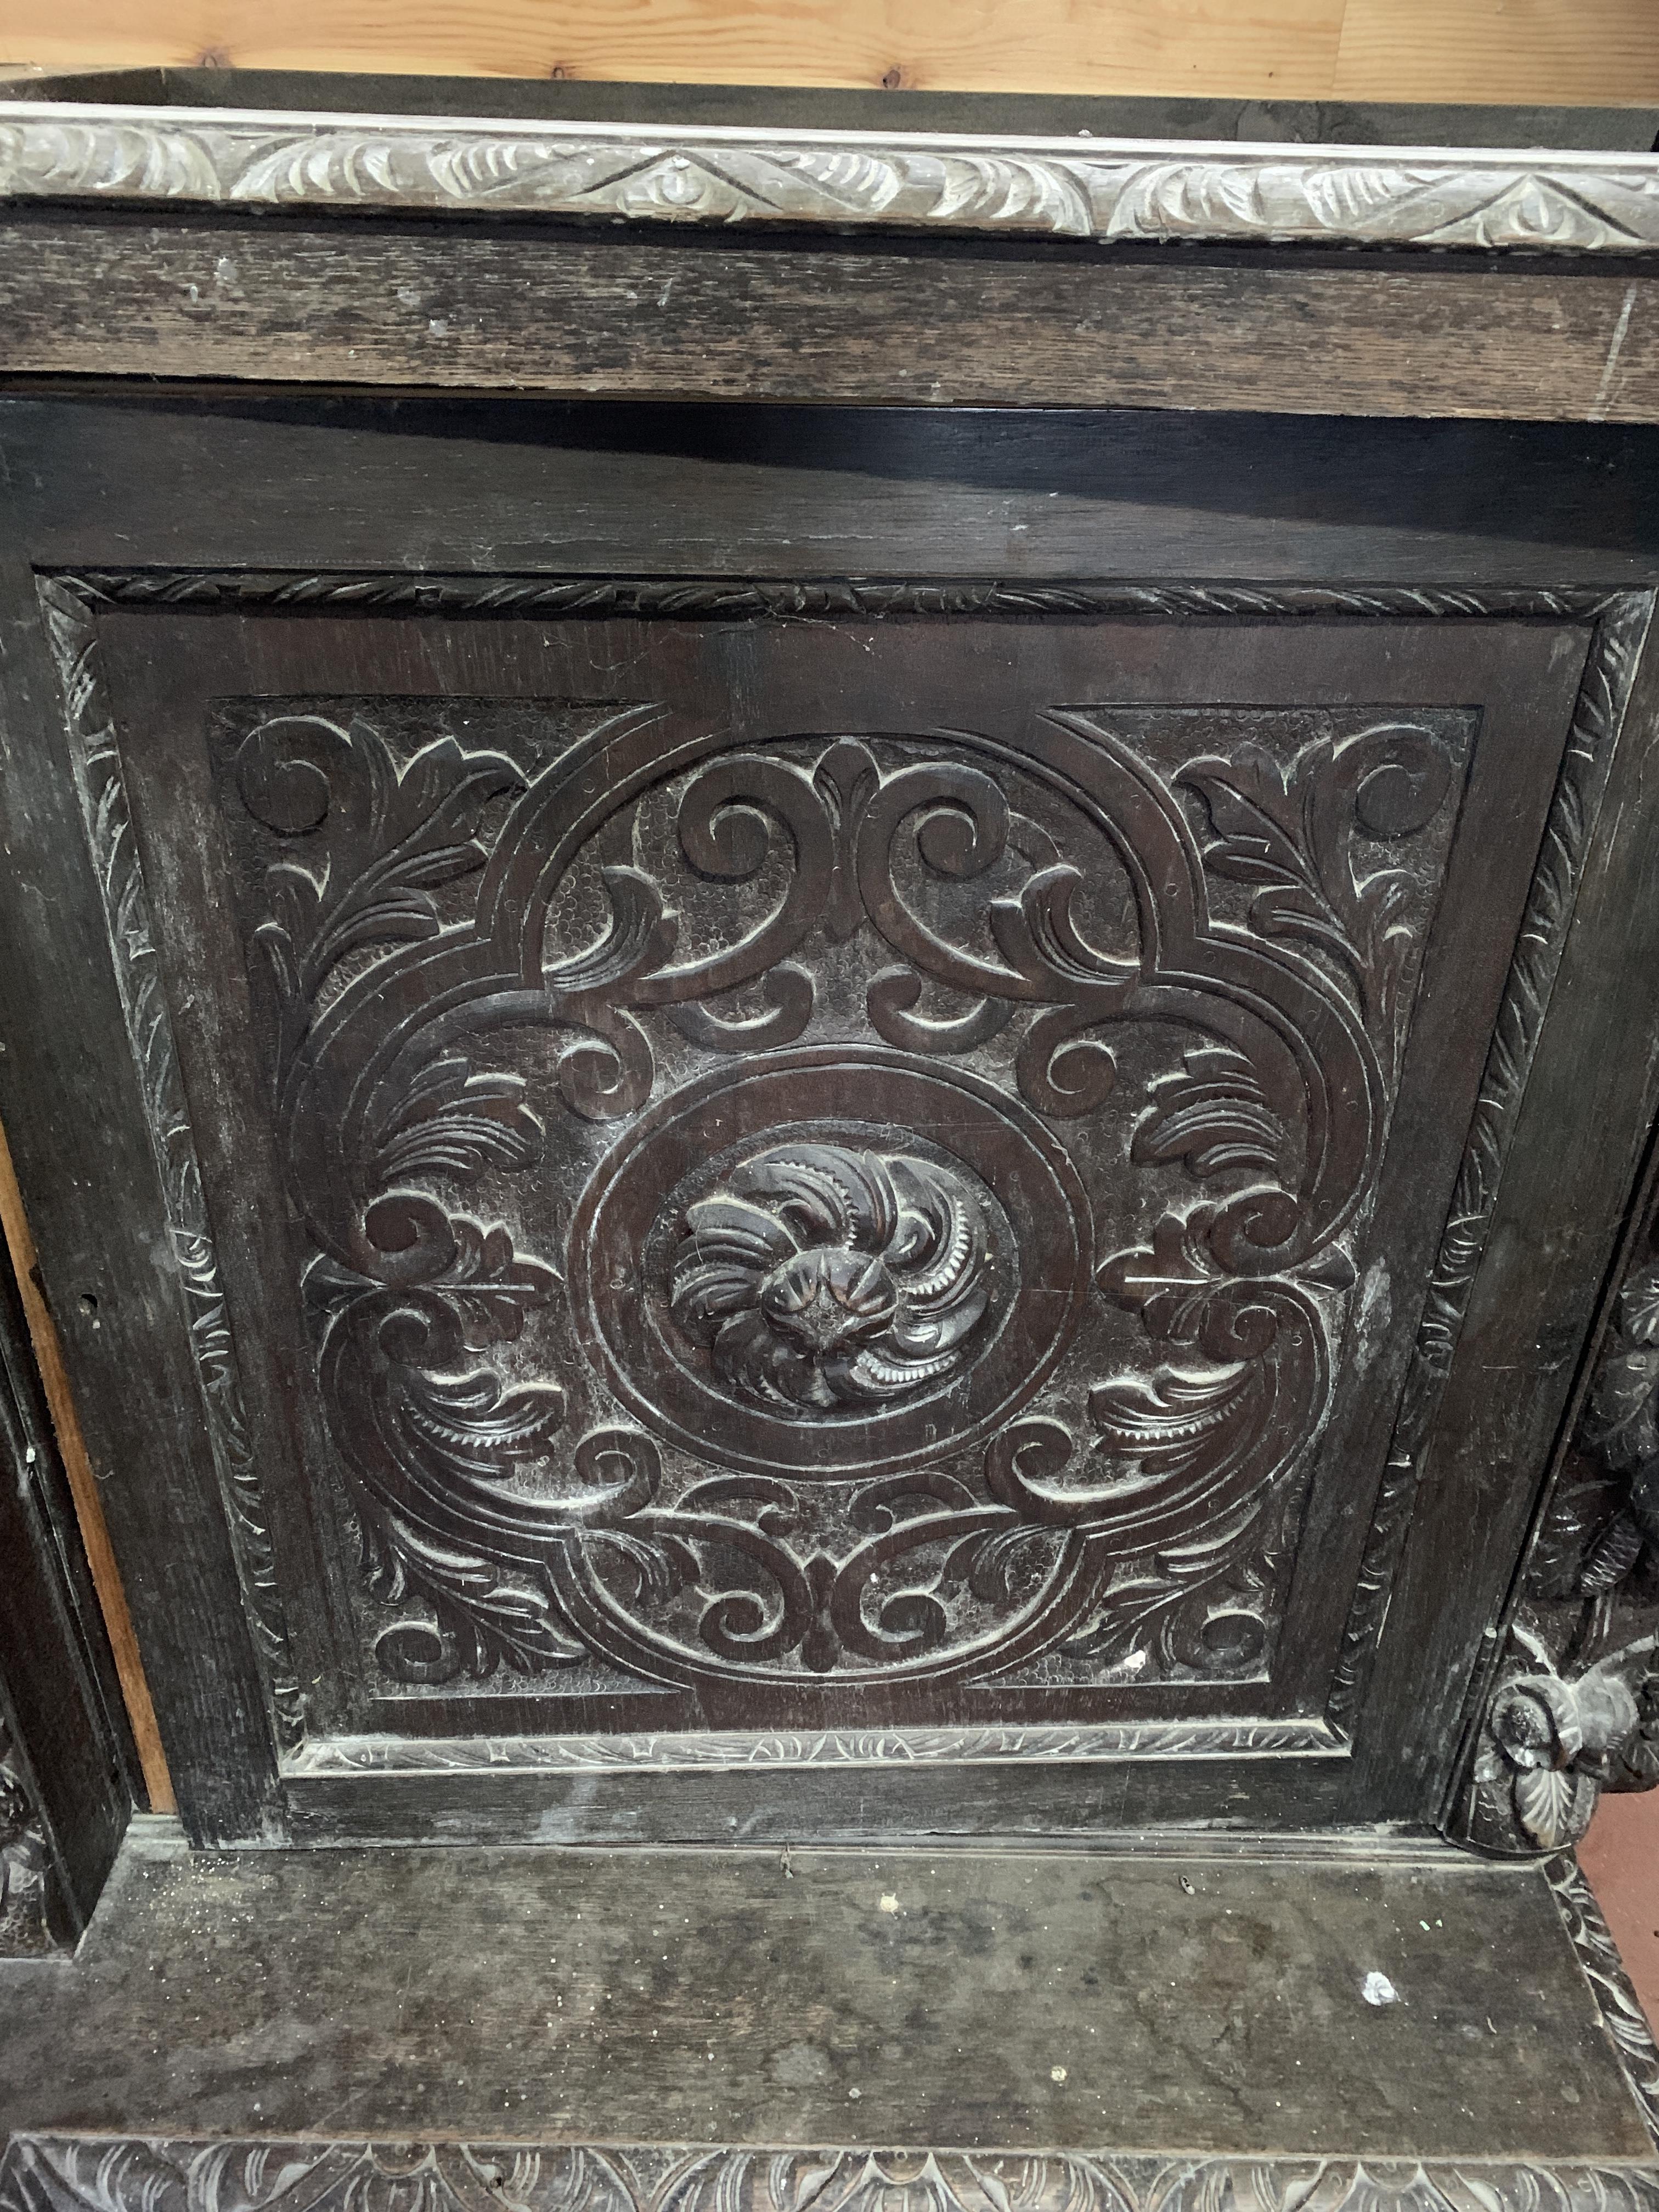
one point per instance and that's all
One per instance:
(1110, 191)
(793, 1210)
(1574, 1707)
(113, 2173)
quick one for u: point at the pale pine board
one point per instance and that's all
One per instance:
(1558, 52)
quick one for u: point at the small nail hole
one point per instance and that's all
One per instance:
(88, 1303)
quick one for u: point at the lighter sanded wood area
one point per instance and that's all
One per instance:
(83, 1488)
(1594, 52)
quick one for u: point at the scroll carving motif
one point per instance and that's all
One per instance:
(1575, 1707)
(830, 1020)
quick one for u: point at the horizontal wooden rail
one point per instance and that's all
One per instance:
(1558, 52)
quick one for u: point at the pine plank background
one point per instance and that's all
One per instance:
(1587, 52)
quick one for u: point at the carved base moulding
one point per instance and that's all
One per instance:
(122, 2174)
(811, 1174)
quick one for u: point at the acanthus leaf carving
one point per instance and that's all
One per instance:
(1129, 190)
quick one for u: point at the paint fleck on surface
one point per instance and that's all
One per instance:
(1377, 1989)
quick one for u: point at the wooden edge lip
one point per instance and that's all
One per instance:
(1108, 190)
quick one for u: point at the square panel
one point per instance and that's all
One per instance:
(792, 1174)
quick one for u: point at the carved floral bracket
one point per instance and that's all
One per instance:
(1575, 1707)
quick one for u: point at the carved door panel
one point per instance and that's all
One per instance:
(764, 1175)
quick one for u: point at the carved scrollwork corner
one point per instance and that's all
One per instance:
(1574, 1708)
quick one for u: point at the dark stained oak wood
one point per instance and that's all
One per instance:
(1506, 516)
(902, 1132)
(560, 311)
(1197, 2001)
(1487, 1428)
(107, 1294)
(528, 486)
(912, 1152)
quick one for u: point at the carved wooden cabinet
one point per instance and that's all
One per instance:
(807, 1126)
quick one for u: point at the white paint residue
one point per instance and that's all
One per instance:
(1056, 2073)
(1377, 1989)
(1371, 1321)
(1598, 406)
(889, 1903)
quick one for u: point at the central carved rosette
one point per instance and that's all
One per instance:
(820, 1277)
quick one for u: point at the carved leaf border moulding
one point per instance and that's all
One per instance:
(1611, 1988)
(69, 604)
(1107, 189)
(117, 2173)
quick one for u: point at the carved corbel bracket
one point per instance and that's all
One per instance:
(1575, 1707)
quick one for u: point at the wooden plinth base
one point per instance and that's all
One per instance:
(399, 2029)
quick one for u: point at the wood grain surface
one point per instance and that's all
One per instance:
(88, 1507)
(1564, 51)
(665, 317)
(1213, 2003)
